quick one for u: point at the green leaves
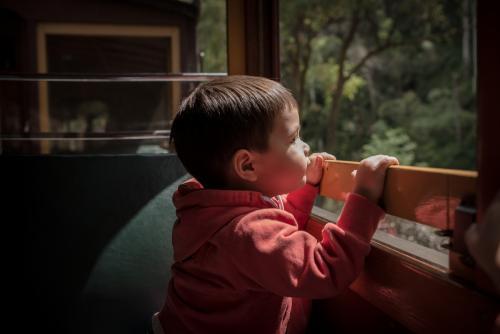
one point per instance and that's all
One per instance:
(412, 94)
(211, 36)
(394, 142)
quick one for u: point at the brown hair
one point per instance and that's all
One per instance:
(222, 116)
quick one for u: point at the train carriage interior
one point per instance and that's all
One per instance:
(88, 93)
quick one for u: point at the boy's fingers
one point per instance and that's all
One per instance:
(319, 160)
(392, 158)
(328, 156)
(393, 161)
(314, 160)
(354, 172)
(387, 161)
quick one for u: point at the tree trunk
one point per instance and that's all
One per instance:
(466, 57)
(331, 135)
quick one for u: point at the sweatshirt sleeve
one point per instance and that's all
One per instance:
(300, 202)
(272, 254)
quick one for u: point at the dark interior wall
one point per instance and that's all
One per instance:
(87, 241)
(139, 12)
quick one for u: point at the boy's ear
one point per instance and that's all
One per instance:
(243, 165)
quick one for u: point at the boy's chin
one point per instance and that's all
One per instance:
(298, 185)
(290, 187)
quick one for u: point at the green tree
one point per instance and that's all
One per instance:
(407, 63)
(394, 142)
(211, 36)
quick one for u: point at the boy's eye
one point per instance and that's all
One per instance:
(295, 139)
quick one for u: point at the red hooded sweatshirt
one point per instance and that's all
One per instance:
(244, 264)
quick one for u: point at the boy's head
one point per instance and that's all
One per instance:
(241, 132)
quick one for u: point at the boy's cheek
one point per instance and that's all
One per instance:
(296, 179)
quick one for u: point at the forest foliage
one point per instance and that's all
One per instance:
(374, 76)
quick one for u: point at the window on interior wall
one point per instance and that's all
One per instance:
(390, 77)
(118, 94)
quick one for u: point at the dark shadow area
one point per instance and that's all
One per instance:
(349, 313)
(87, 245)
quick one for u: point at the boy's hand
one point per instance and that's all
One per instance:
(370, 176)
(314, 171)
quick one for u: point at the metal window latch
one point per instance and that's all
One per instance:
(445, 233)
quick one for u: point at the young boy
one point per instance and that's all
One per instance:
(243, 262)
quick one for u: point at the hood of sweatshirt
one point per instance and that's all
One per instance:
(202, 212)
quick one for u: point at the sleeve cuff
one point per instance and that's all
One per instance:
(303, 198)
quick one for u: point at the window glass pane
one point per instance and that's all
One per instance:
(90, 117)
(212, 36)
(418, 239)
(118, 74)
(392, 77)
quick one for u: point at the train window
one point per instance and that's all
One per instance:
(113, 86)
(393, 76)
(396, 78)
(425, 242)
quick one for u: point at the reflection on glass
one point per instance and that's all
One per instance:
(107, 116)
(397, 227)
(91, 118)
